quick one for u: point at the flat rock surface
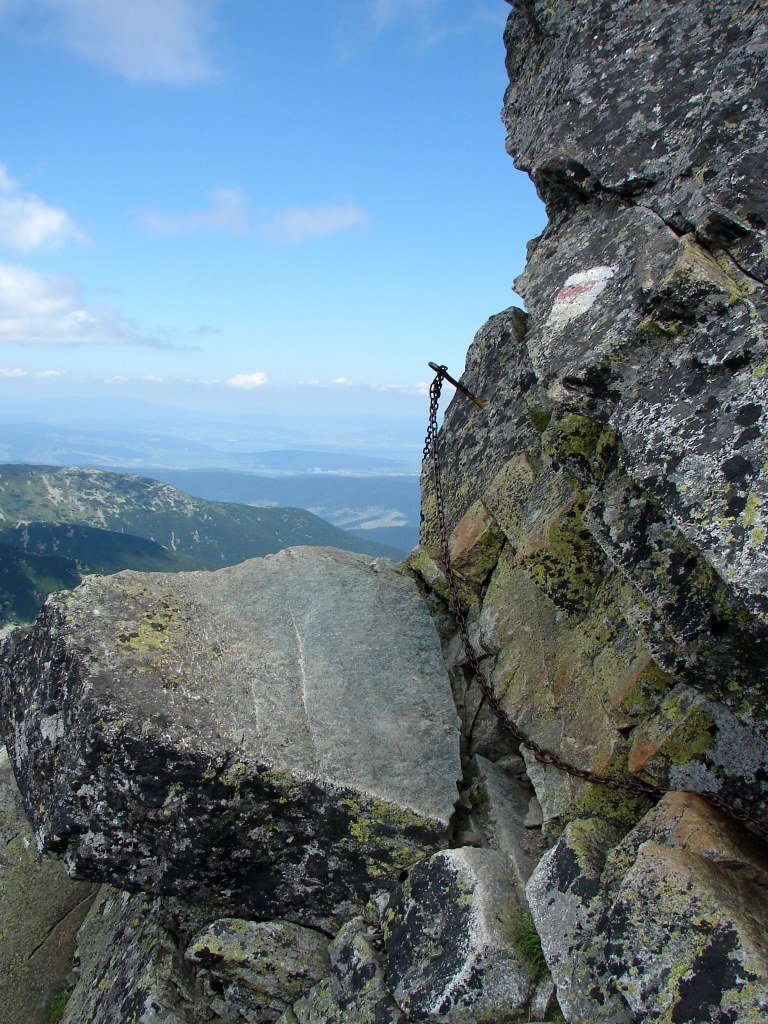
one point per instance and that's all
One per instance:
(280, 733)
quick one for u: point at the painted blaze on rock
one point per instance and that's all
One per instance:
(278, 737)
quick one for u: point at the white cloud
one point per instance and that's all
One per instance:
(141, 40)
(27, 223)
(300, 224)
(47, 309)
(228, 212)
(344, 381)
(27, 373)
(422, 388)
(246, 381)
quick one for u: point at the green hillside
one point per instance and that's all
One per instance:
(27, 579)
(97, 551)
(214, 532)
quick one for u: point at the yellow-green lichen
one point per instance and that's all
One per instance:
(678, 733)
(563, 559)
(381, 830)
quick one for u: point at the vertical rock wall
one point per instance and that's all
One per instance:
(607, 510)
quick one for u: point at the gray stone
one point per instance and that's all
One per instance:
(356, 992)
(278, 736)
(127, 967)
(40, 912)
(449, 939)
(646, 293)
(503, 806)
(256, 969)
(565, 900)
(699, 745)
(669, 924)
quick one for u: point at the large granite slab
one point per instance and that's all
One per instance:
(278, 736)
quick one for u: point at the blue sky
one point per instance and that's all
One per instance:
(226, 206)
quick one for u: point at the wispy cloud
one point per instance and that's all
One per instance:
(28, 223)
(48, 309)
(424, 22)
(299, 224)
(141, 40)
(386, 12)
(31, 373)
(246, 381)
(227, 211)
(421, 388)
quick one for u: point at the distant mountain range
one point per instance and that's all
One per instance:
(58, 523)
(371, 495)
(383, 509)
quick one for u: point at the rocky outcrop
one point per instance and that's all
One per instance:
(449, 935)
(606, 510)
(226, 737)
(621, 455)
(668, 924)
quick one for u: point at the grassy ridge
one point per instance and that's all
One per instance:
(59, 524)
(215, 532)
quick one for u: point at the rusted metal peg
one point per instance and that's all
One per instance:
(443, 371)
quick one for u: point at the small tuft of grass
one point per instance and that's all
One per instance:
(527, 942)
(58, 1006)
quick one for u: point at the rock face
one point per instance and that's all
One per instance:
(226, 736)
(621, 453)
(668, 924)
(449, 939)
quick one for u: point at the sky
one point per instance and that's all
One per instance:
(248, 208)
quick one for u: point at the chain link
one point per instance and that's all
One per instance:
(542, 754)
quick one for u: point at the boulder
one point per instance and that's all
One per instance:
(668, 924)
(449, 933)
(128, 967)
(256, 969)
(277, 737)
(355, 992)
(564, 897)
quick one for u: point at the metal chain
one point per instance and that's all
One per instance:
(542, 754)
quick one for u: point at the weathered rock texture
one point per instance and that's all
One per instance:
(607, 509)
(669, 924)
(278, 737)
(621, 454)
